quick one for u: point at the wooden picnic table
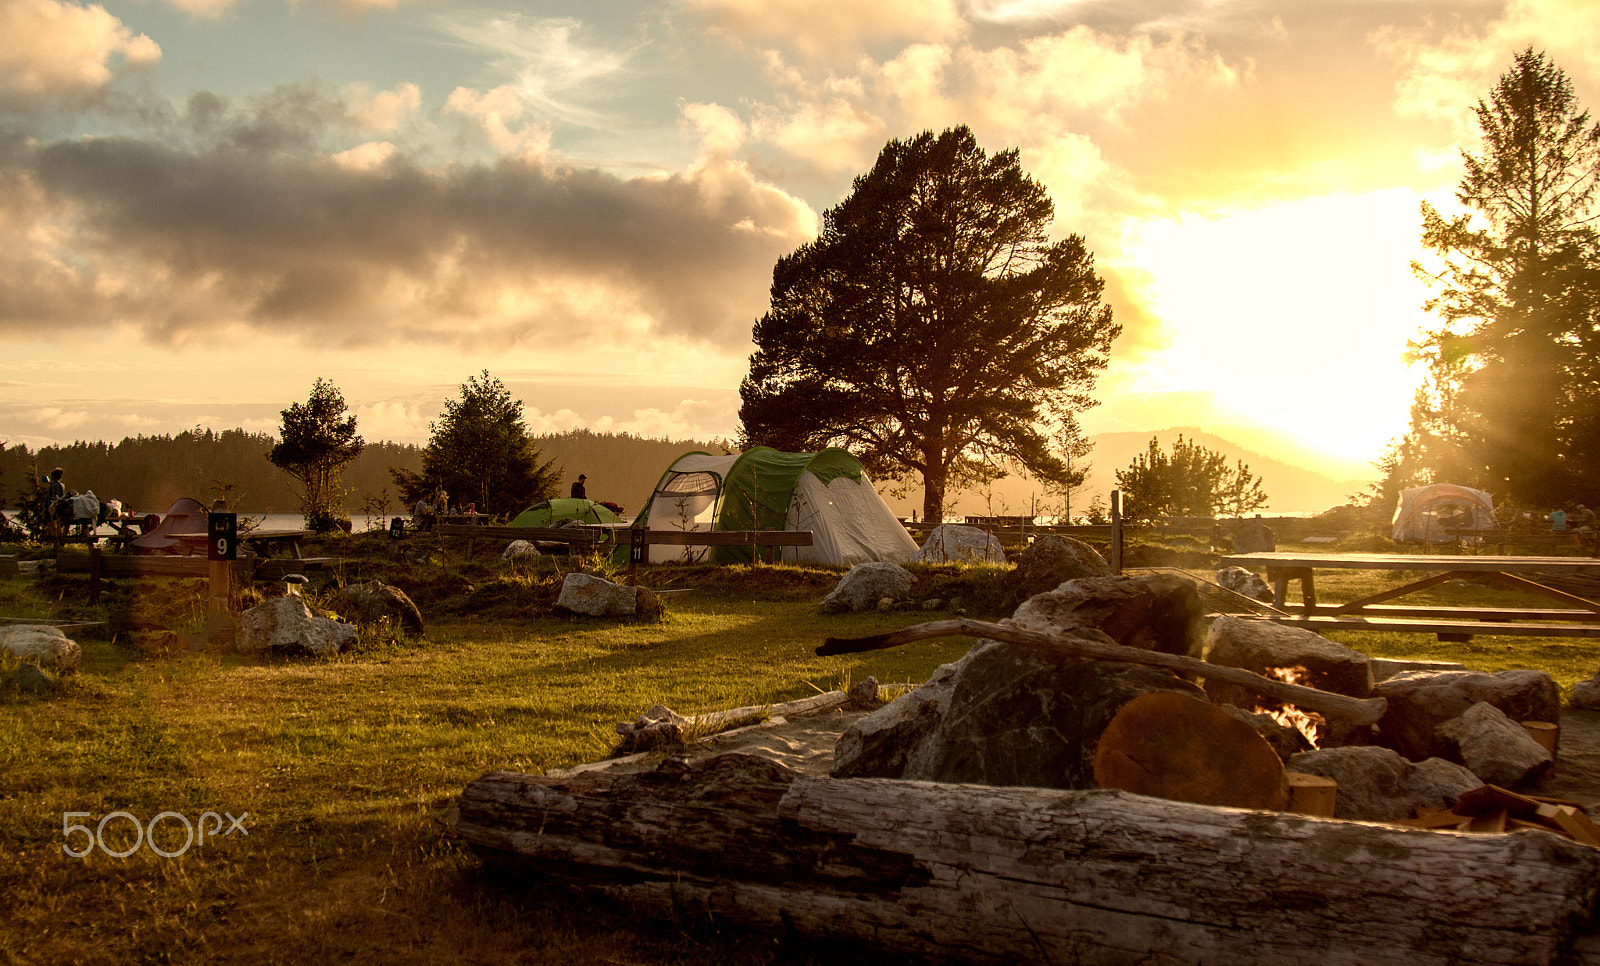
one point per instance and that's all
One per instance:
(1578, 617)
(264, 542)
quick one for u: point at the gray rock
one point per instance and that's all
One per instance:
(287, 624)
(865, 584)
(954, 543)
(1242, 581)
(1254, 537)
(371, 601)
(1585, 695)
(1157, 612)
(1049, 562)
(519, 548)
(1421, 701)
(1005, 714)
(1262, 646)
(932, 603)
(864, 694)
(41, 644)
(29, 679)
(1496, 749)
(876, 746)
(657, 727)
(596, 597)
(1384, 668)
(1377, 785)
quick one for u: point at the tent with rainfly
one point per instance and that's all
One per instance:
(549, 513)
(1426, 513)
(827, 493)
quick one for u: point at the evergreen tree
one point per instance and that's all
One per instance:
(1510, 403)
(932, 326)
(481, 453)
(318, 440)
(1190, 481)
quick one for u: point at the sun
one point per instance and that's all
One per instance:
(1294, 314)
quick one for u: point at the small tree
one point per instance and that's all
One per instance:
(480, 452)
(318, 439)
(1189, 481)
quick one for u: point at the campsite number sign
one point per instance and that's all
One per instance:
(222, 531)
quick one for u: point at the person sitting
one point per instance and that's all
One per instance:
(424, 515)
(579, 491)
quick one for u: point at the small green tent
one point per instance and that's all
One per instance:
(827, 493)
(552, 512)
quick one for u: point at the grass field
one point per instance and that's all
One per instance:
(339, 768)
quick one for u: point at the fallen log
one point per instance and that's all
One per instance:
(1357, 711)
(977, 873)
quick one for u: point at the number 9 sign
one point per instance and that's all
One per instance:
(223, 531)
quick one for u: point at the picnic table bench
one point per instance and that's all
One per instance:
(579, 539)
(1579, 618)
(264, 542)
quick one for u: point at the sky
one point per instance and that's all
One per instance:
(206, 205)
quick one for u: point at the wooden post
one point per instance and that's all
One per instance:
(94, 573)
(1116, 531)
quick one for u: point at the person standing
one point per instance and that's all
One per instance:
(579, 491)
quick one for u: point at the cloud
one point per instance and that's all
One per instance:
(829, 30)
(61, 52)
(1446, 71)
(553, 75)
(255, 231)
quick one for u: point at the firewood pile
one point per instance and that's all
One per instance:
(1492, 809)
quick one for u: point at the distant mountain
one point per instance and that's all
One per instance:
(1291, 488)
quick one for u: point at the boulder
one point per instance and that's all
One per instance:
(1005, 714)
(371, 601)
(1384, 668)
(865, 584)
(597, 597)
(1262, 646)
(657, 727)
(29, 679)
(1254, 537)
(877, 745)
(1586, 695)
(287, 624)
(1496, 749)
(953, 543)
(519, 548)
(1377, 785)
(1242, 581)
(1049, 562)
(1421, 701)
(41, 644)
(1158, 612)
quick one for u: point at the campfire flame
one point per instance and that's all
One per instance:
(1310, 725)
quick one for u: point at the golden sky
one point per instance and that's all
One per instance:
(207, 204)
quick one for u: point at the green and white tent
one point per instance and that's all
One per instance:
(552, 512)
(827, 493)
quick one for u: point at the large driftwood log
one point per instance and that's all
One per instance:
(1357, 711)
(986, 874)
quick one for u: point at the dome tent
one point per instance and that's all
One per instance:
(549, 513)
(1424, 513)
(827, 493)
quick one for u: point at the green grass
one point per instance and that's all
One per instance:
(344, 765)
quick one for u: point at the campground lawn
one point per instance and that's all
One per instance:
(342, 768)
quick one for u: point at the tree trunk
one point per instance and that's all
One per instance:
(976, 873)
(933, 484)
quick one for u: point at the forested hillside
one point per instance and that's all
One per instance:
(147, 473)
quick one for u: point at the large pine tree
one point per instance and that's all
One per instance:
(1510, 402)
(932, 327)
